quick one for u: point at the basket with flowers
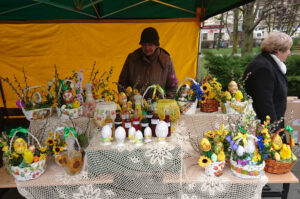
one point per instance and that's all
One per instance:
(212, 94)
(281, 158)
(67, 151)
(25, 160)
(212, 150)
(187, 96)
(36, 101)
(248, 152)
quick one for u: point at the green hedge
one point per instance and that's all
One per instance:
(225, 68)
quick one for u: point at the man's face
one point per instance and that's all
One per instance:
(148, 48)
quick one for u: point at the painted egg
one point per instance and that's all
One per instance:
(218, 147)
(205, 144)
(250, 147)
(277, 156)
(214, 157)
(240, 151)
(106, 131)
(120, 133)
(161, 129)
(76, 104)
(20, 145)
(277, 142)
(148, 132)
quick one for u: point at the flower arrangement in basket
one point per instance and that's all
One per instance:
(281, 159)
(212, 94)
(212, 150)
(161, 106)
(35, 101)
(25, 160)
(248, 152)
(69, 96)
(67, 151)
(188, 96)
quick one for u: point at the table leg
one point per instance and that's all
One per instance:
(285, 190)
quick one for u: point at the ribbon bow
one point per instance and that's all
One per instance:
(290, 130)
(155, 87)
(107, 139)
(242, 129)
(243, 136)
(69, 131)
(131, 137)
(161, 139)
(148, 136)
(19, 129)
(61, 84)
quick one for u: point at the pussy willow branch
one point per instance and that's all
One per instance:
(10, 84)
(90, 79)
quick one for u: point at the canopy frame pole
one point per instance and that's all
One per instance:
(64, 7)
(131, 6)
(199, 54)
(173, 6)
(20, 8)
(90, 4)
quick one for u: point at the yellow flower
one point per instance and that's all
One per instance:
(238, 96)
(204, 161)
(5, 149)
(256, 156)
(42, 156)
(267, 141)
(203, 100)
(50, 141)
(212, 94)
(209, 134)
(206, 87)
(43, 149)
(15, 155)
(51, 134)
(57, 150)
(264, 131)
(227, 95)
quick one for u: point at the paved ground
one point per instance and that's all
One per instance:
(294, 192)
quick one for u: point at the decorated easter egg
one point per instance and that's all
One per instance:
(68, 96)
(218, 147)
(277, 156)
(148, 132)
(221, 156)
(131, 131)
(205, 144)
(76, 104)
(277, 142)
(240, 151)
(106, 131)
(20, 145)
(138, 135)
(161, 129)
(214, 157)
(120, 133)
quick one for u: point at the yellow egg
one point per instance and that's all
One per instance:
(20, 145)
(205, 144)
(28, 156)
(277, 142)
(218, 147)
(221, 156)
(76, 104)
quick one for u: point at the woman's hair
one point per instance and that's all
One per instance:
(277, 41)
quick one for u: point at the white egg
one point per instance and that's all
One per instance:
(250, 147)
(161, 129)
(120, 135)
(138, 138)
(240, 151)
(106, 135)
(148, 134)
(131, 133)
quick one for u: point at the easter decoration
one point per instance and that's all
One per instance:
(187, 96)
(70, 97)
(120, 135)
(212, 151)
(106, 135)
(148, 134)
(234, 101)
(212, 94)
(281, 158)
(26, 161)
(138, 138)
(35, 101)
(161, 131)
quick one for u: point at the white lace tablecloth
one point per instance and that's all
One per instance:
(158, 171)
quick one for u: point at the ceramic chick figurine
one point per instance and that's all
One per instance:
(161, 131)
(234, 91)
(138, 138)
(120, 135)
(148, 134)
(106, 135)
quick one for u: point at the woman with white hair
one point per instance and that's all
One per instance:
(267, 83)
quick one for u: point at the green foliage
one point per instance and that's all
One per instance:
(225, 68)
(296, 42)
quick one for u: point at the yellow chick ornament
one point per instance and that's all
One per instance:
(28, 156)
(20, 145)
(285, 152)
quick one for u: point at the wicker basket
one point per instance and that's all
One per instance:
(36, 114)
(211, 105)
(187, 108)
(32, 171)
(277, 167)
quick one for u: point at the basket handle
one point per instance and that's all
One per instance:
(70, 130)
(207, 78)
(60, 87)
(149, 87)
(283, 130)
(13, 133)
(241, 138)
(186, 79)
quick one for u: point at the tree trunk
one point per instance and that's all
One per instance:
(235, 30)
(247, 34)
(220, 33)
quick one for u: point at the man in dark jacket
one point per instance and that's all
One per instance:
(266, 83)
(149, 65)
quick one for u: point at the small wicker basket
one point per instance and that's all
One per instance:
(277, 167)
(211, 105)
